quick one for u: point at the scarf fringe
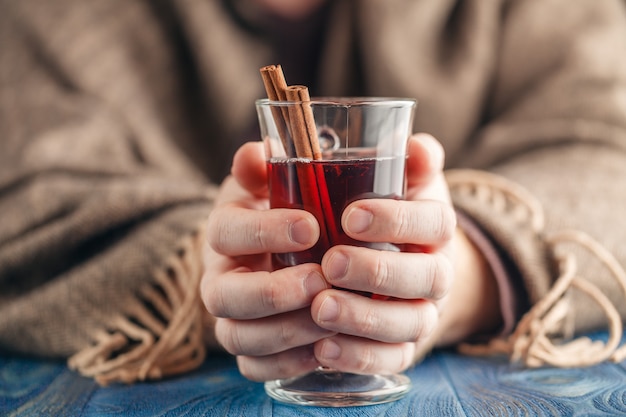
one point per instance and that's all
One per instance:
(544, 335)
(159, 332)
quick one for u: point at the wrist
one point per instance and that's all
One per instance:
(472, 307)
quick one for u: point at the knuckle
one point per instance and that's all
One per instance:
(270, 295)
(247, 368)
(416, 328)
(213, 299)
(407, 356)
(438, 225)
(403, 223)
(429, 277)
(424, 322)
(438, 276)
(228, 336)
(365, 360)
(370, 323)
(255, 238)
(428, 322)
(380, 278)
(228, 231)
(438, 222)
(282, 367)
(215, 231)
(447, 222)
(286, 335)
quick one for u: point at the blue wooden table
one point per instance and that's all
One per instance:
(445, 384)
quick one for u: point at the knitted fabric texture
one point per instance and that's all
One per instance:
(543, 335)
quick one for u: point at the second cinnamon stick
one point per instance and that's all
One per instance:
(303, 130)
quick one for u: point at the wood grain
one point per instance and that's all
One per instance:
(445, 384)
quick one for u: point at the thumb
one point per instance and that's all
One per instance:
(249, 168)
(426, 159)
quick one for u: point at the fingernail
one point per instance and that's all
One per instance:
(358, 220)
(330, 350)
(336, 266)
(300, 232)
(314, 283)
(329, 310)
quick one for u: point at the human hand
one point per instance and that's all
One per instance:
(263, 317)
(266, 318)
(376, 335)
(441, 288)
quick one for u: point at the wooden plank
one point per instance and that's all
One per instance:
(488, 386)
(445, 384)
(22, 379)
(217, 389)
(38, 388)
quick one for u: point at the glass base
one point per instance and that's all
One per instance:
(329, 388)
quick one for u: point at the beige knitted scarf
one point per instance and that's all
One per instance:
(157, 335)
(543, 336)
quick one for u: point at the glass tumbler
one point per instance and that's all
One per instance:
(322, 155)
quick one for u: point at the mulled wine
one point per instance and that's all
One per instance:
(325, 188)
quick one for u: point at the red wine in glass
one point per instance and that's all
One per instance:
(325, 188)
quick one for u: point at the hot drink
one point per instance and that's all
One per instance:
(325, 188)
(322, 155)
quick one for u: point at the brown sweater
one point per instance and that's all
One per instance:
(118, 117)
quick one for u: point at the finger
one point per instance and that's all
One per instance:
(424, 222)
(348, 313)
(242, 294)
(395, 274)
(290, 363)
(425, 158)
(232, 193)
(361, 356)
(425, 179)
(269, 335)
(249, 168)
(237, 231)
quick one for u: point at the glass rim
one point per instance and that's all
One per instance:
(343, 101)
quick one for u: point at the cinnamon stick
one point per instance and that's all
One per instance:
(298, 120)
(303, 130)
(300, 123)
(275, 87)
(304, 135)
(274, 81)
